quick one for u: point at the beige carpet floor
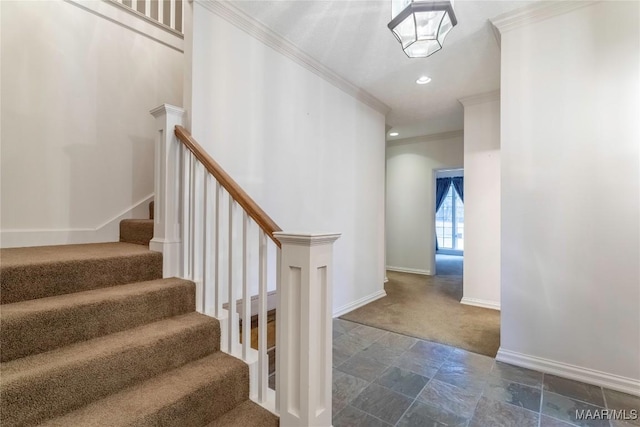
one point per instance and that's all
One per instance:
(428, 307)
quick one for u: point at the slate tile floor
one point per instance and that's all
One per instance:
(383, 379)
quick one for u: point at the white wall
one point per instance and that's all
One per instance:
(411, 166)
(309, 154)
(482, 200)
(571, 194)
(77, 136)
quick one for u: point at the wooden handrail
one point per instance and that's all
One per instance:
(237, 193)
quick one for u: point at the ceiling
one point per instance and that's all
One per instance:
(351, 38)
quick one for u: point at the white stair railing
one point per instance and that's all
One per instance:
(211, 232)
(168, 13)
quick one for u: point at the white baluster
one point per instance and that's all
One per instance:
(147, 8)
(161, 11)
(217, 287)
(263, 369)
(172, 14)
(277, 319)
(198, 235)
(246, 294)
(305, 329)
(134, 5)
(186, 214)
(206, 241)
(232, 316)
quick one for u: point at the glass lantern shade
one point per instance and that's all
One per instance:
(421, 26)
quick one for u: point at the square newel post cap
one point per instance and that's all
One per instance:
(306, 239)
(166, 109)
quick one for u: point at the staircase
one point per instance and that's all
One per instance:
(92, 335)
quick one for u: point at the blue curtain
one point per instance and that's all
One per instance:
(458, 184)
(442, 186)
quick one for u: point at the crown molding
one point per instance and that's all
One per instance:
(261, 32)
(427, 138)
(480, 98)
(535, 12)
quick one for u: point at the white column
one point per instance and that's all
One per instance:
(166, 225)
(305, 329)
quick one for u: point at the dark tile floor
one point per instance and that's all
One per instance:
(384, 379)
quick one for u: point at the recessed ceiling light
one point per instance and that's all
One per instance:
(394, 134)
(423, 80)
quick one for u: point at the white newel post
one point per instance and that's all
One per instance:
(166, 224)
(305, 329)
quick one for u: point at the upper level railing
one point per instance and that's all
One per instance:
(168, 13)
(211, 232)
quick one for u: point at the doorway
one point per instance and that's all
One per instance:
(449, 222)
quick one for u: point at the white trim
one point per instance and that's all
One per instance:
(409, 270)
(104, 232)
(427, 138)
(134, 21)
(535, 12)
(586, 375)
(359, 303)
(283, 46)
(386, 279)
(480, 98)
(493, 305)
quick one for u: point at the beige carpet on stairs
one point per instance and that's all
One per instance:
(428, 307)
(93, 336)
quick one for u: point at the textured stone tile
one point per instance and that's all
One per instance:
(450, 398)
(490, 412)
(382, 403)
(381, 353)
(345, 388)
(623, 402)
(432, 351)
(354, 417)
(336, 334)
(343, 326)
(394, 340)
(460, 376)
(367, 334)
(362, 367)
(566, 409)
(405, 382)
(574, 389)
(515, 394)
(516, 374)
(423, 415)
(473, 362)
(417, 363)
(347, 345)
(547, 421)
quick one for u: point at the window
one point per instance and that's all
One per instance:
(450, 222)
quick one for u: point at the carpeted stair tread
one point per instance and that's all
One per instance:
(35, 326)
(137, 231)
(48, 384)
(38, 272)
(247, 414)
(190, 396)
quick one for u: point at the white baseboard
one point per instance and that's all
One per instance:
(359, 303)
(586, 375)
(493, 305)
(409, 270)
(108, 231)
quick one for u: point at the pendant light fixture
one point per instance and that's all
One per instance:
(421, 26)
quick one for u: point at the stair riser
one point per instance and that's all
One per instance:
(45, 280)
(30, 333)
(139, 232)
(204, 405)
(27, 401)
